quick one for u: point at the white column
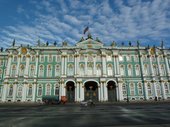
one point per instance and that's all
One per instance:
(75, 64)
(24, 92)
(105, 92)
(114, 63)
(60, 90)
(146, 91)
(86, 65)
(159, 67)
(166, 64)
(9, 65)
(14, 92)
(27, 65)
(120, 91)
(77, 91)
(18, 65)
(151, 65)
(142, 65)
(101, 91)
(117, 65)
(78, 59)
(65, 67)
(94, 66)
(163, 90)
(36, 65)
(104, 64)
(81, 91)
(62, 65)
(155, 90)
(4, 93)
(34, 92)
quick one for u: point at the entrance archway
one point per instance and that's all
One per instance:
(91, 91)
(70, 91)
(111, 88)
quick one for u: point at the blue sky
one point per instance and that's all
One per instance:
(64, 20)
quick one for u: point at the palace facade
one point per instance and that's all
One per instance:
(88, 70)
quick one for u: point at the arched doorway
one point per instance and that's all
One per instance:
(70, 91)
(111, 88)
(91, 91)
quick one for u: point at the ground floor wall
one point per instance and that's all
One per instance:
(79, 89)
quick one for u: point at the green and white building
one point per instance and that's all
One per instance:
(88, 70)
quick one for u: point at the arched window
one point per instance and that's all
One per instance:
(144, 58)
(32, 70)
(140, 90)
(19, 91)
(161, 57)
(24, 58)
(15, 58)
(58, 58)
(90, 69)
(90, 58)
(33, 58)
(122, 70)
(42, 58)
(149, 88)
(158, 88)
(137, 70)
(49, 71)
(30, 91)
(136, 58)
(39, 90)
(153, 58)
(13, 70)
(109, 70)
(128, 58)
(50, 58)
(56, 90)
(120, 58)
(155, 69)
(57, 70)
(124, 89)
(41, 70)
(48, 89)
(132, 89)
(71, 58)
(130, 70)
(146, 69)
(70, 70)
(10, 92)
(166, 88)
(22, 69)
(81, 57)
(109, 58)
(39, 93)
(98, 58)
(98, 70)
(82, 70)
(162, 69)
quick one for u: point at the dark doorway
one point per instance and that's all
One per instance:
(91, 91)
(111, 88)
(70, 91)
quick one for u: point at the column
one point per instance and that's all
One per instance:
(151, 65)
(9, 65)
(120, 92)
(27, 65)
(141, 64)
(101, 91)
(86, 65)
(24, 92)
(34, 92)
(14, 92)
(36, 65)
(166, 64)
(114, 65)
(75, 64)
(62, 65)
(163, 90)
(76, 92)
(81, 91)
(117, 65)
(60, 90)
(78, 59)
(65, 67)
(18, 65)
(104, 64)
(105, 92)
(159, 67)
(4, 93)
(94, 66)
(146, 90)
(155, 90)
(77, 98)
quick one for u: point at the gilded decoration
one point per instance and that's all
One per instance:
(23, 50)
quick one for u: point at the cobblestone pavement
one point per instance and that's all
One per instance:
(100, 115)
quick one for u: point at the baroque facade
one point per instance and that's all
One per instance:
(88, 70)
